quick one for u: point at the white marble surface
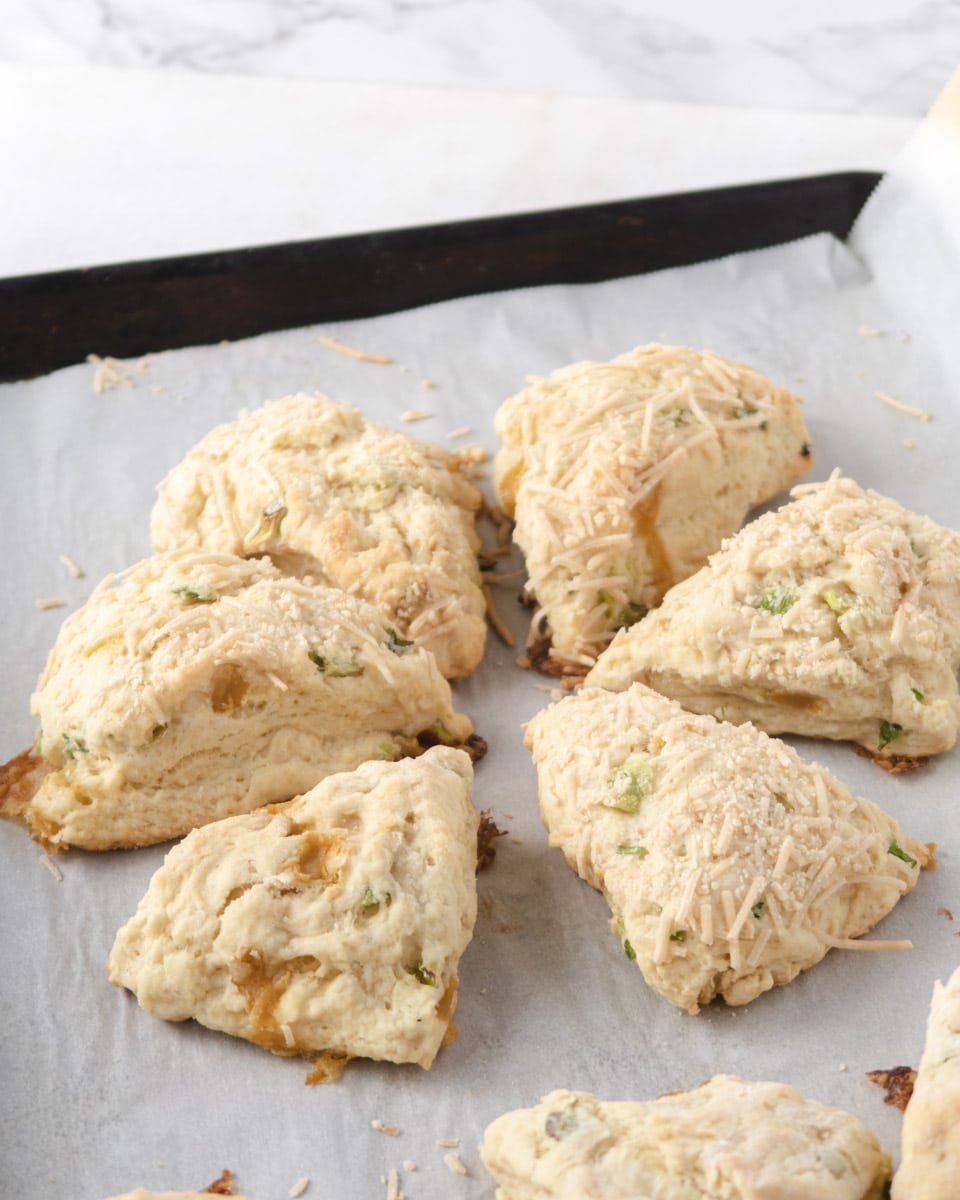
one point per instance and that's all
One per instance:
(136, 129)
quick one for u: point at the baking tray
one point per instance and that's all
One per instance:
(54, 319)
(139, 1102)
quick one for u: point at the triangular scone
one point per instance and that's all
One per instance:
(330, 927)
(354, 505)
(196, 685)
(837, 616)
(730, 864)
(728, 1139)
(930, 1149)
(625, 475)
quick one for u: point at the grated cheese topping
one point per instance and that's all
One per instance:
(754, 863)
(347, 503)
(601, 462)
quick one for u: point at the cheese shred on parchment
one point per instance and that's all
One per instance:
(920, 413)
(350, 352)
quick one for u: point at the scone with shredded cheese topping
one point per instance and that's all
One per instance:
(730, 864)
(728, 1139)
(625, 475)
(930, 1148)
(354, 505)
(838, 616)
(198, 685)
(329, 927)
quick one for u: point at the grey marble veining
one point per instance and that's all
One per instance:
(889, 57)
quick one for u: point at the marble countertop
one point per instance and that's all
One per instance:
(142, 130)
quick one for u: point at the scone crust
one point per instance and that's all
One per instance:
(837, 616)
(367, 509)
(199, 685)
(728, 1138)
(625, 475)
(930, 1146)
(333, 924)
(729, 863)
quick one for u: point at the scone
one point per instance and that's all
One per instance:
(197, 685)
(625, 475)
(930, 1148)
(727, 1139)
(838, 616)
(330, 927)
(730, 864)
(354, 505)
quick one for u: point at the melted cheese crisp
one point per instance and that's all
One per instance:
(330, 927)
(930, 1155)
(730, 864)
(625, 475)
(837, 616)
(354, 505)
(140, 1194)
(727, 1139)
(196, 685)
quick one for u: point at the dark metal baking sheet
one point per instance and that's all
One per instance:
(55, 319)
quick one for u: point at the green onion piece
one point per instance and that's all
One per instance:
(639, 851)
(423, 975)
(630, 614)
(758, 908)
(629, 950)
(608, 601)
(336, 670)
(396, 644)
(918, 695)
(388, 751)
(898, 852)
(781, 798)
(196, 593)
(678, 935)
(370, 902)
(559, 1124)
(630, 784)
(72, 746)
(777, 600)
(742, 412)
(889, 732)
(833, 600)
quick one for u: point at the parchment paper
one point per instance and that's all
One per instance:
(98, 1097)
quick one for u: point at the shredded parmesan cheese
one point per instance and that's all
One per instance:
(393, 1185)
(51, 602)
(52, 867)
(866, 331)
(390, 1130)
(71, 566)
(299, 1188)
(288, 1037)
(495, 618)
(920, 413)
(427, 384)
(453, 1163)
(350, 352)
(448, 1143)
(461, 431)
(110, 373)
(416, 414)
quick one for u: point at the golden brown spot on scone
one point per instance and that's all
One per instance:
(645, 513)
(228, 688)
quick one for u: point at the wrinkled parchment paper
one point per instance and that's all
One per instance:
(98, 1097)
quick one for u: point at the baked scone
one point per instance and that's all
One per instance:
(730, 865)
(198, 685)
(930, 1148)
(624, 475)
(330, 927)
(353, 505)
(728, 1139)
(838, 616)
